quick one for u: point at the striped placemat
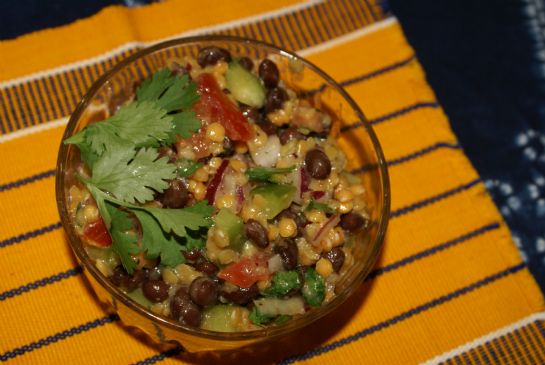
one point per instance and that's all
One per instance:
(449, 286)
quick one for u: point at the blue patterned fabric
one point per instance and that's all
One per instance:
(485, 60)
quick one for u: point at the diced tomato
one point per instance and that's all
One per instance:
(96, 233)
(215, 106)
(246, 271)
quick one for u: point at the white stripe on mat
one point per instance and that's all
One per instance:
(34, 129)
(486, 338)
(345, 38)
(129, 45)
(304, 52)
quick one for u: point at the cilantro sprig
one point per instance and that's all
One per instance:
(127, 170)
(319, 206)
(266, 173)
(153, 119)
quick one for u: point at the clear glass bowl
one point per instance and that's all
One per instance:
(361, 145)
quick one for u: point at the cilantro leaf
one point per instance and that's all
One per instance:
(170, 92)
(281, 319)
(131, 177)
(194, 241)
(185, 124)
(282, 283)
(186, 168)
(123, 243)
(100, 198)
(258, 318)
(319, 206)
(201, 207)
(314, 288)
(88, 155)
(266, 173)
(180, 95)
(156, 243)
(152, 88)
(139, 123)
(178, 220)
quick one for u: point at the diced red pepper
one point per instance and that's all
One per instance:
(247, 271)
(96, 233)
(215, 106)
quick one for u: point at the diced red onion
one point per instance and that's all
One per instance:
(240, 196)
(325, 228)
(215, 182)
(305, 180)
(317, 195)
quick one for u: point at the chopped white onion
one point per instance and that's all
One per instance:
(274, 306)
(268, 154)
(275, 264)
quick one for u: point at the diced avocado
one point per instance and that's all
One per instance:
(277, 197)
(219, 318)
(233, 226)
(244, 86)
(138, 296)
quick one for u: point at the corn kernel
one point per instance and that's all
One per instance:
(248, 249)
(238, 165)
(197, 188)
(324, 267)
(344, 195)
(225, 201)
(306, 253)
(357, 189)
(201, 174)
(215, 148)
(215, 132)
(191, 185)
(186, 274)
(263, 284)
(104, 268)
(157, 308)
(337, 238)
(227, 256)
(345, 207)
(215, 162)
(249, 211)
(241, 148)
(169, 276)
(326, 245)
(315, 216)
(287, 227)
(221, 239)
(186, 152)
(273, 232)
(90, 213)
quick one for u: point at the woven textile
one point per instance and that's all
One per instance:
(449, 285)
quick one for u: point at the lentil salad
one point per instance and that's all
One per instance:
(264, 211)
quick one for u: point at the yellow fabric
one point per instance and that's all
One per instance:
(450, 294)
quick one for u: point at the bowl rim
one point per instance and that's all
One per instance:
(117, 294)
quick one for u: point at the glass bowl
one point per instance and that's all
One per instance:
(361, 145)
